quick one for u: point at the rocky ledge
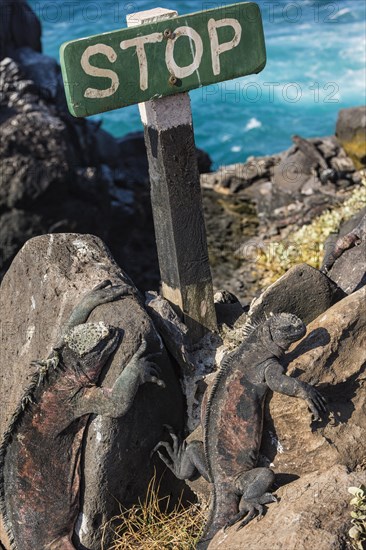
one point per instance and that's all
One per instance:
(315, 462)
(266, 199)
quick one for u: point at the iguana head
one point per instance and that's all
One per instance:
(89, 346)
(285, 328)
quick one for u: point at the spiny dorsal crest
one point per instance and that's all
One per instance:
(84, 338)
(277, 320)
(249, 328)
(251, 325)
(224, 367)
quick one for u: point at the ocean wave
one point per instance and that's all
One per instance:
(252, 124)
(342, 13)
(316, 66)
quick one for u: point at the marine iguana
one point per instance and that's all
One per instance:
(337, 248)
(40, 452)
(232, 419)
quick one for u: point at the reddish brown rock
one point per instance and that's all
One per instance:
(313, 512)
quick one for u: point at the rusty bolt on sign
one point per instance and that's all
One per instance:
(169, 34)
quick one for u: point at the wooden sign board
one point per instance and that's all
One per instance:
(153, 60)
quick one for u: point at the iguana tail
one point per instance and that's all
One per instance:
(223, 508)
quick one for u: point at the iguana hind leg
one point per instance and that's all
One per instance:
(101, 294)
(184, 459)
(253, 487)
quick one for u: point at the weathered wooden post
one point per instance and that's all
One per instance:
(176, 198)
(159, 55)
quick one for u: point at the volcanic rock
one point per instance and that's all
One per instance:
(303, 291)
(313, 512)
(45, 281)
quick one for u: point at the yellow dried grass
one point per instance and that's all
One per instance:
(153, 525)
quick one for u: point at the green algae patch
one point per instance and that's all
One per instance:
(306, 244)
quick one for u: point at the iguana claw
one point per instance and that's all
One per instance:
(27, 400)
(44, 366)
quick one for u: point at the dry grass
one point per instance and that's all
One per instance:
(151, 524)
(306, 245)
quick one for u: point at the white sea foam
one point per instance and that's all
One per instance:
(316, 66)
(252, 124)
(341, 13)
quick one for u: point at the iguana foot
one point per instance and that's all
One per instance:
(314, 399)
(253, 487)
(106, 292)
(27, 400)
(249, 510)
(254, 509)
(248, 513)
(185, 460)
(146, 369)
(44, 366)
(176, 460)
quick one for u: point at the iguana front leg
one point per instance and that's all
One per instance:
(116, 401)
(185, 460)
(279, 382)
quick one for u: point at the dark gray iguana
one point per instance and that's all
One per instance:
(40, 453)
(232, 422)
(337, 248)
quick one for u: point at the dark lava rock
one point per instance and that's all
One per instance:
(19, 27)
(16, 226)
(294, 170)
(248, 204)
(35, 159)
(42, 69)
(288, 189)
(55, 177)
(349, 271)
(303, 291)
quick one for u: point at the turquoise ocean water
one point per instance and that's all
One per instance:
(315, 66)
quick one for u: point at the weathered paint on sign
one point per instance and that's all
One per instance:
(120, 68)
